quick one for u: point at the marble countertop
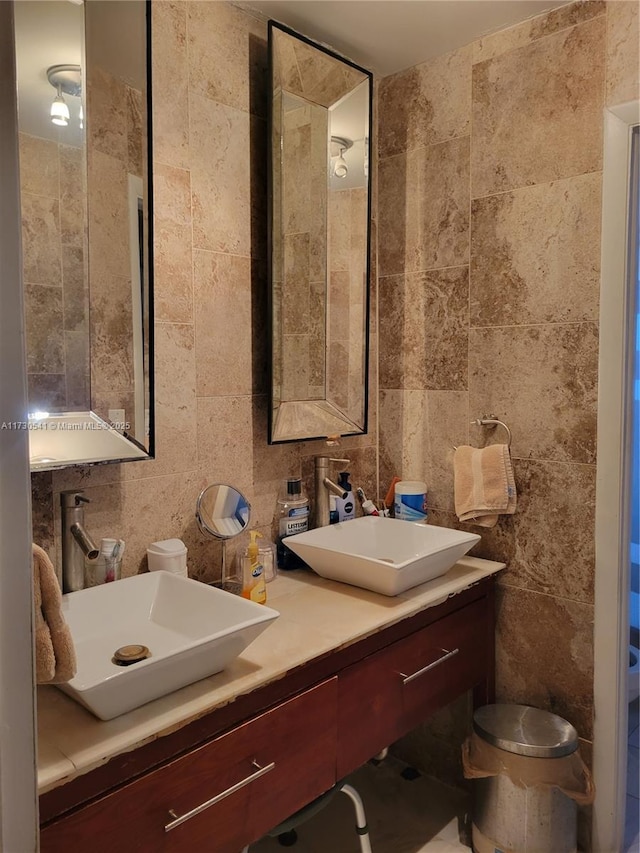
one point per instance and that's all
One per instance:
(316, 617)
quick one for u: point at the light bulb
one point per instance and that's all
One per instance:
(340, 169)
(81, 117)
(59, 111)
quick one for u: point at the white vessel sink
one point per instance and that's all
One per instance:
(191, 630)
(385, 555)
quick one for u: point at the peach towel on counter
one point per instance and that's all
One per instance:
(484, 486)
(55, 652)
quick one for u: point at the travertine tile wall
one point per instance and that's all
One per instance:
(210, 103)
(490, 205)
(114, 151)
(56, 298)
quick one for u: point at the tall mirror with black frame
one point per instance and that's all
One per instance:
(320, 134)
(84, 129)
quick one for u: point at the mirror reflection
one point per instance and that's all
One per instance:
(222, 511)
(82, 111)
(320, 138)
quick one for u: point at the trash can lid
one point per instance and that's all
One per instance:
(525, 730)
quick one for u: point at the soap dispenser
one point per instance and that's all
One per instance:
(346, 506)
(253, 585)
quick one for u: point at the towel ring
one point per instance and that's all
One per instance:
(492, 423)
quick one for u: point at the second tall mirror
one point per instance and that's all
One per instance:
(319, 215)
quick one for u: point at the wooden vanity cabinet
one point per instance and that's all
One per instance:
(315, 725)
(254, 776)
(387, 694)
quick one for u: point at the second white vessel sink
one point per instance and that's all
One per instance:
(191, 631)
(385, 555)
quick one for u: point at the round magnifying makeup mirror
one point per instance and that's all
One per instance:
(222, 511)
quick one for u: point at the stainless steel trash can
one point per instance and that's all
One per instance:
(528, 777)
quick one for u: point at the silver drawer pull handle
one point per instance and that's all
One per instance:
(177, 820)
(407, 678)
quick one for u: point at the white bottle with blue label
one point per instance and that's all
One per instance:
(346, 506)
(410, 501)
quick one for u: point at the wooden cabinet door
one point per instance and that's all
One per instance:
(218, 797)
(384, 696)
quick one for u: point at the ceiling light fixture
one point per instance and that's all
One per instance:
(59, 110)
(67, 79)
(339, 145)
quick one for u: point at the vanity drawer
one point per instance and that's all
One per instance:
(386, 695)
(256, 775)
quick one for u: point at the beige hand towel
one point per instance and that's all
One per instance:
(484, 485)
(55, 652)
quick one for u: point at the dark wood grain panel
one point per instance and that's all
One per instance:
(299, 736)
(376, 707)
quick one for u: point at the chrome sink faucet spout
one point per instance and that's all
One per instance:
(324, 487)
(76, 542)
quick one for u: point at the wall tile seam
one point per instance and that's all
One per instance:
(525, 187)
(442, 141)
(248, 257)
(130, 479)
(544, 324)
(164, 163)
(531, 41)
(173, 323)
(193, 92)
(587, 602)
(420, 271)
(24, 193)
(511, 586)
(60, 286)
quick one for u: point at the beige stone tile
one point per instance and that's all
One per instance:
(541, 381)
(566, 16)
(173, 274)
(44, 329)
(108, 216)
(428, 103)
(73, 196)
(107, 107)
(76, 348)
(557, 82)
(340, 229)
(227, 161)
(502, 41)
(228, 56)
(623, 52)
(39, 166)
(170, 76)
(136, 131)
(225, 438)
(42, 511)
(544, 655)
(391, 435)
(295, 372)
(175, 404)
(552, 532)
(535, 254)
(47, 392)
(230, 320)
(424, 211)
(296, 287)
(41, 252)
(424, 320)
(111, 344)
(433, 423)
(75, 288)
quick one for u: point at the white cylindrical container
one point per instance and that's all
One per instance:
(169, 555)
(410, 501)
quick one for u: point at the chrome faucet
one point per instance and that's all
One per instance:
(76, 542)
(324, 487)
